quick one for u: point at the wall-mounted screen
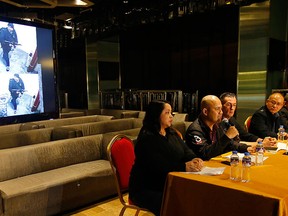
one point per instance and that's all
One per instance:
(27, 73)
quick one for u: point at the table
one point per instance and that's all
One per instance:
(197, 195)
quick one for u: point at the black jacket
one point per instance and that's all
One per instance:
(243, 134)
(8, 39)
(16, 88)
(264, 123)
(156, 156)
(284, 114)
(198, 139)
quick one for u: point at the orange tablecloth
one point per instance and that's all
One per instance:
(197, 195)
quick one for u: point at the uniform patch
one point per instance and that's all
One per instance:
(198, 140)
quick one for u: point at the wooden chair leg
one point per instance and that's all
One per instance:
(122, 211)
(137, 212)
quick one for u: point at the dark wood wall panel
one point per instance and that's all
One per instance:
(72, 73)
(197, 52)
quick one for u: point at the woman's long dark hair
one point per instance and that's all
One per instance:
(151, 120)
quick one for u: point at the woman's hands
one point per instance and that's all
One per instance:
(195, 165)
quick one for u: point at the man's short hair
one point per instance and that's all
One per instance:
(226, 94)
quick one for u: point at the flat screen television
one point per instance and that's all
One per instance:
(28, 89)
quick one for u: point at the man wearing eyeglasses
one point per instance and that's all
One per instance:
(229, 105)
(266, 120)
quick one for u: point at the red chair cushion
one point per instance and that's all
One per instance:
(122, 153)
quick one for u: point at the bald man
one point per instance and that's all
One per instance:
(206, 138)
(266, 120)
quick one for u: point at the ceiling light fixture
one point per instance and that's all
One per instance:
(80, 3)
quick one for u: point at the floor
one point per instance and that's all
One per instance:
(111, 207)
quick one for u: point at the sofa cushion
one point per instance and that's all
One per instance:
(27, 160)
(131, 133)
(181, 127)
(130, 114)
(28, 126)
(23, 138)
(137, 123)
(112, 112)
(71, 114)
(4, 129)
(141, 114)
(59, 133)
(57, 190)
(106, 126)
(180, 117)
(74, 120)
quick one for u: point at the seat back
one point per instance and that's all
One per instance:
(247, 123)
(120, 153)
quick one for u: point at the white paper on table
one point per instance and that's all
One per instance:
(209, 171)
(241, 155)
(281, 146)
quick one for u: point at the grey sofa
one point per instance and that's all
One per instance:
(93, 128)
(12, 128)
(55, 177)
(117, 113)
(28, 137)
(74, 120)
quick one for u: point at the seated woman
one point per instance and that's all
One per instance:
(158, 150)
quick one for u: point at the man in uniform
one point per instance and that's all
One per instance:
(267, 119)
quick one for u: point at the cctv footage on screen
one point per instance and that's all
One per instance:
(20, 71)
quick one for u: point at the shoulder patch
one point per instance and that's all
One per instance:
(198, 140)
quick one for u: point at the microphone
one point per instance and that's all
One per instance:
(227, 125)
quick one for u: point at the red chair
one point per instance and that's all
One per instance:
(247, 123)
(120, 153)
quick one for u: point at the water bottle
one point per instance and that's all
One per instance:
(246, 164)
(234, 167)
(259, 156)
(281, 132)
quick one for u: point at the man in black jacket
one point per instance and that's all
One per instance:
(205, 136)
(267, 120)
(8, 40)
(16, 88)
(229, 106)
(284, 111)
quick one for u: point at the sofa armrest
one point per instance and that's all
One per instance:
(141, 114)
